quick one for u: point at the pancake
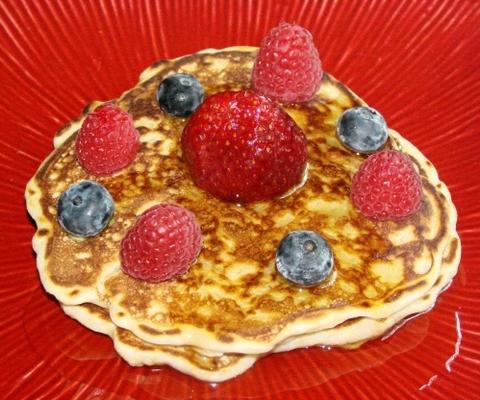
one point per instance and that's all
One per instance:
(137, 352)
(355, 332)
(232, 300)
(217, 368)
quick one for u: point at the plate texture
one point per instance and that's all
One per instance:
(415, 61)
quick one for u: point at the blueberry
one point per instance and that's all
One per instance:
(362, 129)
(304, 258)
(180, 95)
(85, 208)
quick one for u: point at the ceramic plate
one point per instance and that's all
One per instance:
(415, 61)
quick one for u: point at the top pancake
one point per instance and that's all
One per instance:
(232, 299)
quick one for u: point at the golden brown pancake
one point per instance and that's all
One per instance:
(232, 300)
(219, 367)
(136, 352)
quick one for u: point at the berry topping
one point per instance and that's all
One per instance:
(288, 67)
(180, 95)
(387, 187)
(362, 129)
(242, 147)
(304, 258)
(85, 209)
(107, 141)
(162, 244)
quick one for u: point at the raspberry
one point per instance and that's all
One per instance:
(387, 187)
(162, 244)
(288, 67)
(107, 141)
(242, 147)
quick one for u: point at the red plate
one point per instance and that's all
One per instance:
(417, 62)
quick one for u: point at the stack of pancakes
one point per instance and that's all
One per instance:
(233, 307)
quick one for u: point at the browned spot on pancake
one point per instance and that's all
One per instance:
(127, 337)
(88, 108)
(414, 287)
(225, 338)
(452, 251)
(407, 289)
(31, 192)
(97, 310)
(389, 144)
(348, 322)
(156, 332)
(120, 314)
(254, 330)
(438, 280)
(407, 251)
(42, 232)
(392, 297)
(74, 292)
(142, 130)
(94, 308)
(160, 62)
(188, 353)
(441, 205)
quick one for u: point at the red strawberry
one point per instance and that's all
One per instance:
(387, 187)
(163, 243)
(107, 141)
(242, 147)
(288, 67)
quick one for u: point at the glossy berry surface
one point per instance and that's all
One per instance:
(162, 244)
(287, 67)
(387, 187)
(180, 95)
(242, 147)
(304, 258)
(107, 141)
(362, 129)
(85, 209)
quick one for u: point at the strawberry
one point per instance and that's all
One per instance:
(242, 147)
